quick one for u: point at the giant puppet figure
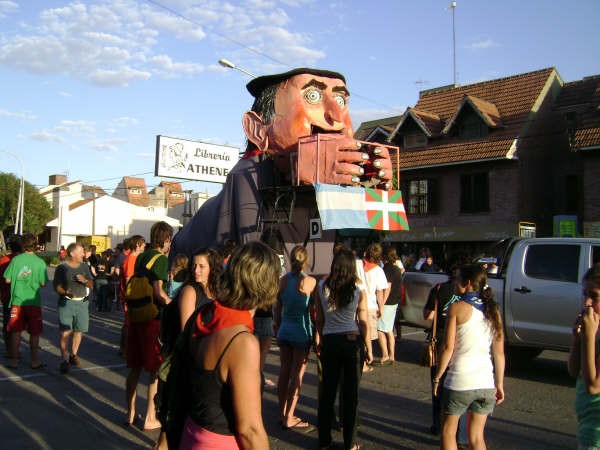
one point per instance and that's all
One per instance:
(287, 107)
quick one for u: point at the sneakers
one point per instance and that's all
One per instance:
(64, 367)
(74, 360)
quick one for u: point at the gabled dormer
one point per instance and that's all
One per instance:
(380, 133)
(473, 119)
(415, 129)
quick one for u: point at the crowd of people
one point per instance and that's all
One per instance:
(219, 298)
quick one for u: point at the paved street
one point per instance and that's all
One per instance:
(84, 409)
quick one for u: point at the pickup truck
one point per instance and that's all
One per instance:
(537, 284)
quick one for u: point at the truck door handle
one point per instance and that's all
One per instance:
(523, 290)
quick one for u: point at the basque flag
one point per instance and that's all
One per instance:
(358, 207)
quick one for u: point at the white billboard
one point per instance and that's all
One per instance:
(194, 160)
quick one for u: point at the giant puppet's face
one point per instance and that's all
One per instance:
(308, 104)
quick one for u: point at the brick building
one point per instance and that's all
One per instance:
(492, 160)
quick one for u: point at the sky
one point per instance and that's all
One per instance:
(86, 86)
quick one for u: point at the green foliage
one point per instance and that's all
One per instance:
(37, 210)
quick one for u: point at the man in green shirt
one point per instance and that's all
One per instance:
(26, 274)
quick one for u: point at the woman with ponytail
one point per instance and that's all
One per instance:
(294, 335)
(473, 353)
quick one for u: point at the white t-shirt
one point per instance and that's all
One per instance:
(374, 280)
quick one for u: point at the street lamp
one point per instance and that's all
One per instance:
(230, 65)
(21, 198)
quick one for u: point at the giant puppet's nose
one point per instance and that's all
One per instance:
(333, 112)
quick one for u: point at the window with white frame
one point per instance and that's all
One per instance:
(422, 196)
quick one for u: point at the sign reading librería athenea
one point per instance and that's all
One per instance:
(194, 160)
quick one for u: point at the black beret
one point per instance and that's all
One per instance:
(258, 84)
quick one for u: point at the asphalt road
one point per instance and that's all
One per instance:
(85, 409)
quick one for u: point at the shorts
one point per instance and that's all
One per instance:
(25, 318)
(263, 327)
(143, 347)
(73, 315)
(478, 401)
(373, 323)
(302, 346)
(385, 324)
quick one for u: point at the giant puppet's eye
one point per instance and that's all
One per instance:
(340, 100)
(313, 95)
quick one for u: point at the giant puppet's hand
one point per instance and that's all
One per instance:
(335, 159)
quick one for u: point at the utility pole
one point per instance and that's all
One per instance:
(453, 7)
(21, 196)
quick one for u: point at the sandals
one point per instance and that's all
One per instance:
(299, 424)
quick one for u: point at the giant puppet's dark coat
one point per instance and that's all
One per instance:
(233, 214)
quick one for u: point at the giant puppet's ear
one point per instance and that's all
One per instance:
(256, 130)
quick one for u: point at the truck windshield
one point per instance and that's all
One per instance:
(494, 256)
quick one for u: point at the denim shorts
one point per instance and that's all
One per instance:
(302, 346)
(73, 315)
(479, 401)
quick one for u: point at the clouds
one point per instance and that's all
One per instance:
(482, 44)
(45, 136)
(7, 8)
(120, 42)
(25, 115)
(86, 134)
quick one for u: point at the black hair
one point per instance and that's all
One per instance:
(16, 244)
(264, 106)
(341, 281)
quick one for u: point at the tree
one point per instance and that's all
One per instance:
(37, 211)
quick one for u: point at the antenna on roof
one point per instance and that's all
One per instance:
(453, 7)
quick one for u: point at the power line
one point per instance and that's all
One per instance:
(241, 44)
(253, 50)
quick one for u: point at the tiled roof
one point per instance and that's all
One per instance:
(366, 128)
(582, 98)
(431, 124)
(486, 110)
(94, 190)
(136, 199)
(511, 99)
(173, 192)
(432, 121)
(455, 153)
(513, 96)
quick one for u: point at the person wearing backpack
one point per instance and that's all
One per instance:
(225, 380)
(143, 347)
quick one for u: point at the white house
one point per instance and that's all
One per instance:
(80, 212)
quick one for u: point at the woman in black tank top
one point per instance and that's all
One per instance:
(225, 377)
